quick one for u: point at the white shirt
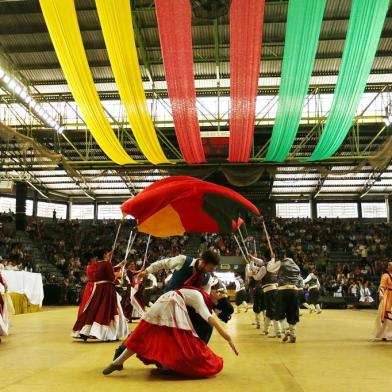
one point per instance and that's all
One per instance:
(310, 277)
(195, 300)
(175, 263)
(171, 263)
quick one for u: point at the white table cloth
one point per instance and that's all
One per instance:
(22, 282)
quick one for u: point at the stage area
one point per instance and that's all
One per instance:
(333, 353)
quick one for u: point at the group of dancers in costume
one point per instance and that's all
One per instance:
(278, 293)
(184, 317)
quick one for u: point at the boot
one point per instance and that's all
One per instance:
(278, 329)
(257, 320)
(318, 309)
(312, 309)
(267, 323)
(293, 338)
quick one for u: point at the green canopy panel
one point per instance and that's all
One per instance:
(364, 31)
(302, 34)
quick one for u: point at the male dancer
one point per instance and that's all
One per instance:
(240, 293)
(251, 270)
(301, 296)
(314, 291)
(287, 298)
(268, 276)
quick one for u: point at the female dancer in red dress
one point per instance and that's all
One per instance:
(132, 301)
(4, 317)
(101, 316)
(88, 288)
(166, 337)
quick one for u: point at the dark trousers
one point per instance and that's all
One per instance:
(258, 300)
(314, 295)
(240, 297)
(287, 306)
(270, 304)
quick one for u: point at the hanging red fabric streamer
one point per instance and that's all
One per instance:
(246, 27)
(175, 33)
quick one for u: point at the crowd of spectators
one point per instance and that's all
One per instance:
(13, 254)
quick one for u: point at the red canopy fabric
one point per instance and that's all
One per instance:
(246, 27)
(182, 204)
(175, 33)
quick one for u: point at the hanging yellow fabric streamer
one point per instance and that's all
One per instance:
(117, 29)
(62, 23)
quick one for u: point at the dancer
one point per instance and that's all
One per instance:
(383, 328)
(301, 296)
(287, 298)
(240, 293)
(88, 288)
(102, 316)
(132, 301)
(190, 272)
(184, 267)
(251, 269)
(268, 276)
(166, 336)
(4, 315)
(314, 291)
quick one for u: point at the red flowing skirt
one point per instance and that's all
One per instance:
(88, 289)
(175, 349)
(101, 309)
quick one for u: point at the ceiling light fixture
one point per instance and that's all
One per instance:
(14, 87)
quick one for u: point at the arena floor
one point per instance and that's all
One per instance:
(333, 353)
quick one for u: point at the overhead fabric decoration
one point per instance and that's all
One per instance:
(62, 24)
(363, 34)
(303, 27)
(175, 33)
(117, 29)
(180, 204)
(246, 27)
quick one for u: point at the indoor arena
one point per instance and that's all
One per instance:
(195, 194)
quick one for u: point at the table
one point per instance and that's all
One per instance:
(26, 290)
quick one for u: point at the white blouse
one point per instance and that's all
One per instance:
(195, 299)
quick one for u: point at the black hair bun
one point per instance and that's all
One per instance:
(224, 309)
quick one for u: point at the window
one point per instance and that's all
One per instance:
(7, 203)
(374, 210)
(45, 210)
(293, 210)
(29, 207)
(109, 211)
(337, 210)
(82, 211)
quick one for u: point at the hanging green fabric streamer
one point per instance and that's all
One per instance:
(363, 34)
(302, 34)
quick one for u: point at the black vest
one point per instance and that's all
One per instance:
(269, 278)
